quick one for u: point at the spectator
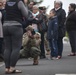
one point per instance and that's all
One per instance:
(36, 18)
(71, 28)
(35, 12)
(12, 28)
(53, 34)
(44, 30)
(61, 31)
(31, 4)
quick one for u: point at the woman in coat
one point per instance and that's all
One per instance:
(71, 28)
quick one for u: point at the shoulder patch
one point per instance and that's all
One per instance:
(11, 3)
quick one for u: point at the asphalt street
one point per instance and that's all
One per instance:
(66, 65)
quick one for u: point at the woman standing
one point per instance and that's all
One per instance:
(71, 28)
(12, 27)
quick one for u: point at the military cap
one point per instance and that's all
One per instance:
(29, 28)
(42, 8)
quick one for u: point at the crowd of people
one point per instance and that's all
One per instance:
(27, 31)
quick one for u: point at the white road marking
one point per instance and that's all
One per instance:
(65, 74)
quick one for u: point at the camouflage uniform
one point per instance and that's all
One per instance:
(30, 48)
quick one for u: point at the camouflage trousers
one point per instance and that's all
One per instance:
(30, 52)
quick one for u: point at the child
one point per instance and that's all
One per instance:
(52, 34)
(30, 45)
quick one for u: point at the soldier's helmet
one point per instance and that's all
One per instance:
(29, 28)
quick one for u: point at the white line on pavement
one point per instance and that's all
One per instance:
(65, 74)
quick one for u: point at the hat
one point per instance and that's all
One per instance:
(42, 8)
(29, 28)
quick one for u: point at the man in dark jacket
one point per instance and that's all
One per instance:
(61, 31)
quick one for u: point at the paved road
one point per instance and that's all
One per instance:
(66, 65)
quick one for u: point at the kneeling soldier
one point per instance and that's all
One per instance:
(30, 43)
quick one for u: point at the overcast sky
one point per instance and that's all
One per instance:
(51, 4)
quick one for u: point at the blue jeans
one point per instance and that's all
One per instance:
(53, 47)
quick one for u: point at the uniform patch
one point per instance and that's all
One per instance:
(11, 3)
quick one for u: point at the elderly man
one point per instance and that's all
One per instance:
(61, 31)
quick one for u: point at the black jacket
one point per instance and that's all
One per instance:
(71, 21)
(52, 32)
(61, 19)
(12, 11)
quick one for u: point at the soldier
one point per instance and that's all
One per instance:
(30, 43)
